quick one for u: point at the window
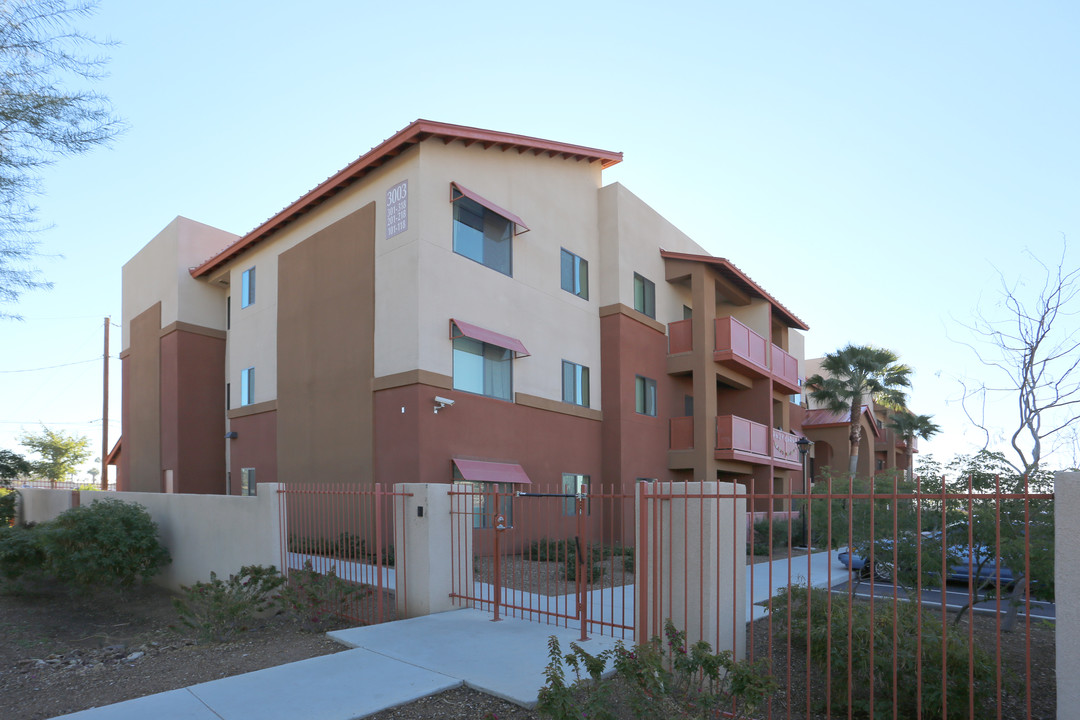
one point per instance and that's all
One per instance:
(482, 368)
(687, 313)
(247, 481)
(575, 384)
(228, 312)
(247, 386)
(645, 395)
(575, 275)
(482, 235)
(228, 396)
(247, 287)
(644, 296)
(574, 485)
(482, 495)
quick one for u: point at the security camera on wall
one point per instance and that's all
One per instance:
(441, 402)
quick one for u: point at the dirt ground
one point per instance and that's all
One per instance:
(60, 654)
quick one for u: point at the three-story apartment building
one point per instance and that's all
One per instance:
(456, 304)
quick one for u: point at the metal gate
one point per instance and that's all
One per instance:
(556, 558)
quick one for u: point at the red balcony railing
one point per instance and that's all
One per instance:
(785, 367)
(784, 446)
(680, 337)
(736, 433)
(681, 433)
(734, 337)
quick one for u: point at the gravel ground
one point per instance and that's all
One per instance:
(61, 654)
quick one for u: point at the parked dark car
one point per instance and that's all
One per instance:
(983, 564)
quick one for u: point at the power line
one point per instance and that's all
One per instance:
(53, 367)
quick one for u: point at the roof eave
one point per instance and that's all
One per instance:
(414, 134)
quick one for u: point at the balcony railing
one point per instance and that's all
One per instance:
(680, 337)
(785, 367)
(734, 337)
(681, 433)
(785, 446)
(736, 433)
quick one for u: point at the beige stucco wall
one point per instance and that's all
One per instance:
(556, 198)
(203, 533)
(1067, 589)
(160, 272)
(631, 236)
(709, 600)
(253, 334)
(797, 349)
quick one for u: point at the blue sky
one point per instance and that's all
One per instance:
(872, 166)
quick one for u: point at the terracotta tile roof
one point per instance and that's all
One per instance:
(733, 274)
(826, 418)
(415, 133)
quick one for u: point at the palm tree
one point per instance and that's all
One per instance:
(909, 426)
(854, 375)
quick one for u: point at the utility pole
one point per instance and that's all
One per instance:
(105, 416)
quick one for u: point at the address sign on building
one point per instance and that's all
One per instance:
(397, 209)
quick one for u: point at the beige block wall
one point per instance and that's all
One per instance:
(160, 272)
(203, 533)
(1067, 589)
(701, 573)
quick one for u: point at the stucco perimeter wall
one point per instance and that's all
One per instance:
(203, 533)
(1067, 589)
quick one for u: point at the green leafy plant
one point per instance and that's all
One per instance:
(22, 556)
(109, 543)
(658, 679)
(219, 609)
(317, 599)
(878, 633)
(9, 506)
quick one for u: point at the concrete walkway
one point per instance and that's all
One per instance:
(391, 664)
(395, 663)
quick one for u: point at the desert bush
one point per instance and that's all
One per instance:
(657, 679)
(109, 543)
(22, 556)
(317, 599)
(219, 609)
(879, 634)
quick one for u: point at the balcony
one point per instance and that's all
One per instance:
(740, 348)
(680, 337)
(785, 371)
(681, 433)
(786, 450)
(748, 441)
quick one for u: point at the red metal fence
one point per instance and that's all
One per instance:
(561, 559)
(348, 530)
(941, 606)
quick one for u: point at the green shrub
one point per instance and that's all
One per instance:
(218, 610)
(22, 556)
(317, 599)
(109, 543)
(905, 655)
(594, 571)
(628, 559)
(551, 550)
(658, 679)
(9, 506)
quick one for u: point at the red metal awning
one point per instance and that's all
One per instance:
(491, 472)
(460, 329)
(519, 225)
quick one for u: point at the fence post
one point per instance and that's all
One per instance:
(432, 537)
(696, 577)
(1067, 588)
